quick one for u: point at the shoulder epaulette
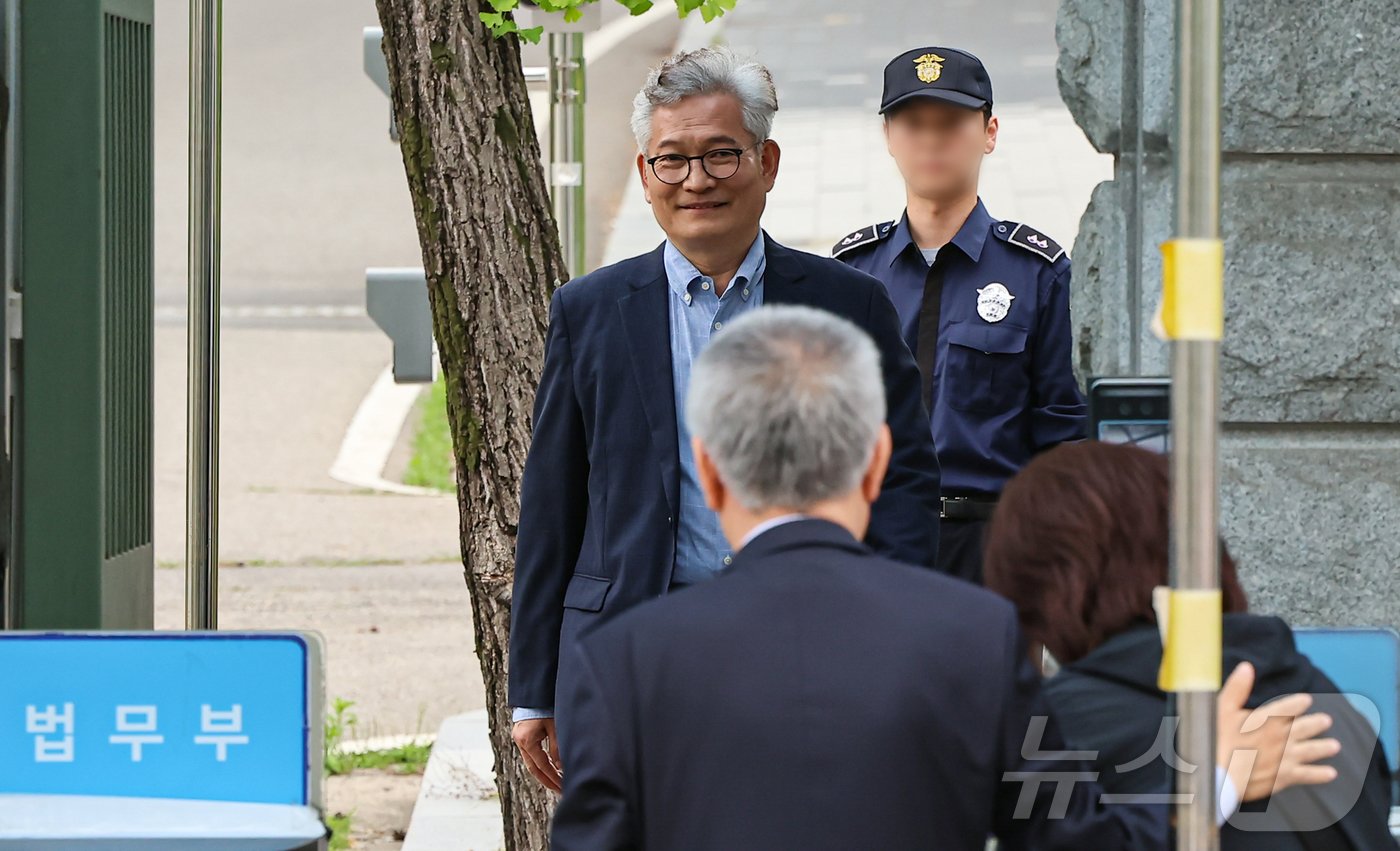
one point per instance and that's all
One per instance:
(1032, 240)
(864, 236)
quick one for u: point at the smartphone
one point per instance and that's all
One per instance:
(1131, 409)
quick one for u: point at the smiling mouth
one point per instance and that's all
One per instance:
(707, 205)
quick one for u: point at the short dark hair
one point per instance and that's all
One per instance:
(1078, 541)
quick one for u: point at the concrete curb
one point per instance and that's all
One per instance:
(370, 437)
(457, 807)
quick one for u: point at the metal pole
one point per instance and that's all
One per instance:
(566, 146)
(10, 586)
(202, 440)
(1196, 403)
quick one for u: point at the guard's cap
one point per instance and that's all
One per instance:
(943, 73)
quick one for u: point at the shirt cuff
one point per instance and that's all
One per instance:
(525, 713)
(1227, 795)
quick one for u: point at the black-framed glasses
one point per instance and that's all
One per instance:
(720, 163)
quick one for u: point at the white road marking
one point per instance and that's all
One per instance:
(271, 311)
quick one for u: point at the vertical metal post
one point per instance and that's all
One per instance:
(202, 441)
(10, 588)
(1196, 401)
(567, 97)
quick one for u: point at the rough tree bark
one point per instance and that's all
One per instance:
(491, 255)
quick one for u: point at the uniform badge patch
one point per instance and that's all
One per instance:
(864, 236)
(994, 302)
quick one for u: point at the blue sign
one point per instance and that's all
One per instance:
(221, 717)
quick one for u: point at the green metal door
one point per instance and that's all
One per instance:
(83, 443)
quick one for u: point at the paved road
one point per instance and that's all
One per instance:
(399, 641)
(828, 54)
(313, 190)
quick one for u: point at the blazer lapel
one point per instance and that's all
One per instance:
(646, 322)
(782, 275)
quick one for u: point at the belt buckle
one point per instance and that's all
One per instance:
(943, 504)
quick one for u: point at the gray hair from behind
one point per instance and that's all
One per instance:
(788, 402)
(707, 70)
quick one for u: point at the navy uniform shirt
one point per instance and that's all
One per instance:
(1003, 387)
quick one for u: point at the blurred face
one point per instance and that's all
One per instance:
(939, 146)
(702, 210)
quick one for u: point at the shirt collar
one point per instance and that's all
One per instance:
(770, 523)
(970, 237)
(681, 274)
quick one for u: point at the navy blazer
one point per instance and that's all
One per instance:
(597, 529)
(818, 696)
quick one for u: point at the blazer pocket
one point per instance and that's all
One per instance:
(586, 593)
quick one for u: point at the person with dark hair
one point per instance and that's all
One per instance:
(1078, 543)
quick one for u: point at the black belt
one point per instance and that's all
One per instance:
(967, 508)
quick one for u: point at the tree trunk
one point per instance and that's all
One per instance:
(491, 256)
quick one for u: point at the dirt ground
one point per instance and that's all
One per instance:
(379, 804)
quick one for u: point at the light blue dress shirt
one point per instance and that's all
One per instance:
(697, 313)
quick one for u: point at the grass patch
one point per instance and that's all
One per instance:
(339, 823)
(404, 759)
(410, 758)
(432, 463)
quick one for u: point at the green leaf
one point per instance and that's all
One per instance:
(715, 8)
(531, 35)
(492, 19)
(504, 5)
(572, 14)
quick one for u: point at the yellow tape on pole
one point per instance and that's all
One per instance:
(1193, 289)
(1191, 651)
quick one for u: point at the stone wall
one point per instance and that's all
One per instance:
(1311, 221)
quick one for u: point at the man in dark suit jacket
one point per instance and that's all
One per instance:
(610, 512)
(819, 696)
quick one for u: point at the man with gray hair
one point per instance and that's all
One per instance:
(611, 510)
(819, 696)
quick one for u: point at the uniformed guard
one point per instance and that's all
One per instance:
(983, 303)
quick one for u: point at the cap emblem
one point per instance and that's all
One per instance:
(929, 67)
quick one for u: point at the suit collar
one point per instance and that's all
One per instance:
(784, 271)
(653, 269)
(799, 534)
